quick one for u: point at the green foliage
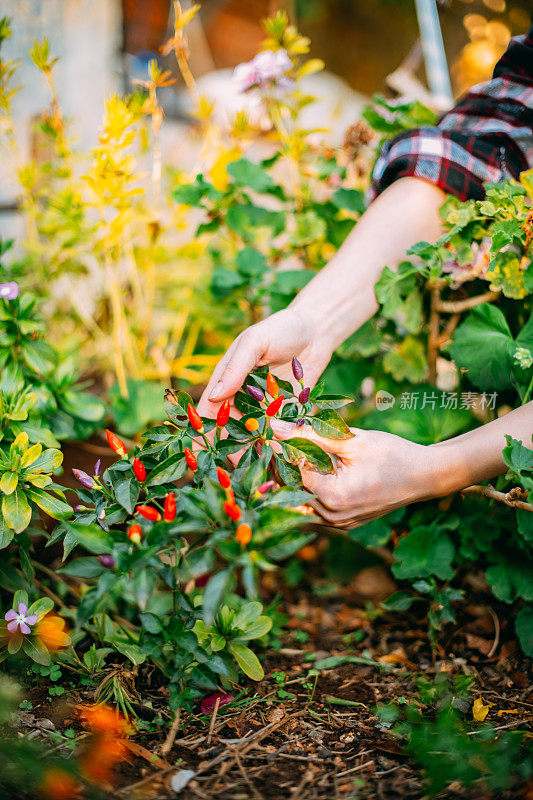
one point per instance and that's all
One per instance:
(451, 750)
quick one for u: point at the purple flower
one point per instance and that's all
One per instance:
(255, 392)
(8, 291)
(303, 397)
(209, 702)
(20, 619)
(84, 479)
(97, 466)
(266, 71)
(297, 369)
(106, 561)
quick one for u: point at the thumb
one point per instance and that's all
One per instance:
(286, 430)
(245, 356)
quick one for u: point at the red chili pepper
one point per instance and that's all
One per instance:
(115, 443)
(223, 478)
(135, 533)
(148, 512)
(190, 458)
(223, 414)
(170, 507)
(272, 385)
(232, 510)
(195, 418)
(230, 495)
(274, 406)
(138, 470)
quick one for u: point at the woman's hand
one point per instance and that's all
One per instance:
(274, 341)
(376, 473)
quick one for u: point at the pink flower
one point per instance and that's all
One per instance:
(20, 620)
(8, 291)
(266, 71)
(478, 265)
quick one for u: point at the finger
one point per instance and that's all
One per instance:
(249, 349)
(206, 407)
(286, 430)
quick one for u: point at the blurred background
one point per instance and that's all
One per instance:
(103, 45)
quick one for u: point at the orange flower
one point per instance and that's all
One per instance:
(59, 785)
(51, 630)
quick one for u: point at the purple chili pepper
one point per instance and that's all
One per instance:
(303, 397)
(107, 561)
(297, 369)
(9, 291)
(97, 467)
(255, 392)
(79, 508)
(84, 479)
(299, 423)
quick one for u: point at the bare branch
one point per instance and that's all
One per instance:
(513, 498)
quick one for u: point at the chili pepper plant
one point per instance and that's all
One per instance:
(182, 564)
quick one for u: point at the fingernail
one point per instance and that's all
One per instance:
(217, 391)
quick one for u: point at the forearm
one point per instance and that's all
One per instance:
(476, 456)
(341, 297)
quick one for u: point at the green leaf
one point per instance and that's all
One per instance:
(398, 293)
(84, 567)
(350, 199)
(92, 537)
(330, 424)
(246, 173)
(6, 534)
(48, 461)
(151, 622)
(127, 493)
(225, 281)
(251, 262)
(426, 550)
(51, 505)
(245, 218)
(247, 661)
(511, 578)
(143, 405)
(217, 586)
(332, 401)
(36, 650)
(483, 345)
(257, 629)
(9, 482)
(172, 469)
(16, 510)
(407, 361)
(524, 628)
(297, 448)
(82, 405)
(399, 601)
(41, 607)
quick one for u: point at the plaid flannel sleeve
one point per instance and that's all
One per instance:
(486, 137)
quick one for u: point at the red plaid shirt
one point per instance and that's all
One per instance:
(486, 137)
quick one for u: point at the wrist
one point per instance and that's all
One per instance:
(446, 471)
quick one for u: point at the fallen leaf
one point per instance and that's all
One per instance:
(480, 709)
(179, 780)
